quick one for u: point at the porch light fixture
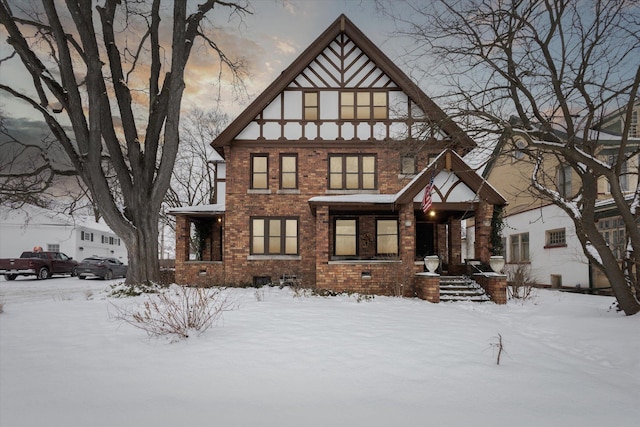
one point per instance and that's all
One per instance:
(432, 214)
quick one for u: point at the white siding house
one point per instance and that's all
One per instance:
(79, 237)
(545, 240)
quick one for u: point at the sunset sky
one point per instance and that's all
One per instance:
(277, 33)
(267, 40)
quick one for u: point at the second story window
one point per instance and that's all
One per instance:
(633, 127)
(259, 171)
(564, 180)
(363, 105)
(408, 165)
(288, 171)
(352, 172)
(311, 106)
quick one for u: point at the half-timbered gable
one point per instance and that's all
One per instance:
(311, 164)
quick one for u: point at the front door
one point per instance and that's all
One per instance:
(425, 239)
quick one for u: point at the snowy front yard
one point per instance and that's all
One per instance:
(280, 360)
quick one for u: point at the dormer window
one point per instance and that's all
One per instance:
(363, 105)
(311, 106)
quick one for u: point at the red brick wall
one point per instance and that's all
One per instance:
(482, 245)
(312, 181)
(494, 286)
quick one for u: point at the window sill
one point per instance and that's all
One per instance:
(274, 258)
(365, 261)
(564, 245)
(288, 192)
(252, 191)
(352, 192)
(191, 261)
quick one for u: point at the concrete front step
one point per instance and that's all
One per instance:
(461, 288)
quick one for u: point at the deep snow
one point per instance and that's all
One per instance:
(280, 360)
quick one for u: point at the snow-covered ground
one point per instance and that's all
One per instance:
(280, 360)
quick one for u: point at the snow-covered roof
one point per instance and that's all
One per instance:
(31, 214)
(213, 156)
(198, 209)
(356, 198)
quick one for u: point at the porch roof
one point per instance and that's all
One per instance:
(219, 208)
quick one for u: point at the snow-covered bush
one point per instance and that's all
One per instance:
(124, 290)
(177, 312)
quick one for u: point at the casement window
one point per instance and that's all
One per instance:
(259, 171)
(311, 106)
(363, 105)
(614, 233)
(519, 248)
(623, 178)
(564, 180)
(84, 235)
(352, 172)
(274, 236)
(408, 165)
(633, 126)
(288, 171)
(556, 238)
(387, 237)
(345, 238)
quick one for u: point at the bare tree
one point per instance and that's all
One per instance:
(93, 66)
(558, 66)
(193, 177)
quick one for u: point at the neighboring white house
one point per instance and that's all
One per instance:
(545, 240)
(77, 237)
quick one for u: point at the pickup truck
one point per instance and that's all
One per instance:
(40, 264)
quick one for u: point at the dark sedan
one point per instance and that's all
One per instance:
(104, 268)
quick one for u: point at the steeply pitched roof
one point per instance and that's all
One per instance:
(344, 25)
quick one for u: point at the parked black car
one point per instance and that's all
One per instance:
(104, 268)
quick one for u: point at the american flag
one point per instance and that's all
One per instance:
(426, 199)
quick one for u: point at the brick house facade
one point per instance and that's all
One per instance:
(325, 175)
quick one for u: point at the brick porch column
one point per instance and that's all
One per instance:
(482, 245)
(322, 246)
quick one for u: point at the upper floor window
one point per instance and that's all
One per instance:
(519, 245)
(623, 178)
(274, 236)
(408, 165)
(54, 247)
(363, 105)
(311, 106)
(259, 171)
(352, 172)
(633, 127)
(86, 236)
(288, 171)
(564, 180)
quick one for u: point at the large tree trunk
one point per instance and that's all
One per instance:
(143, 249)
